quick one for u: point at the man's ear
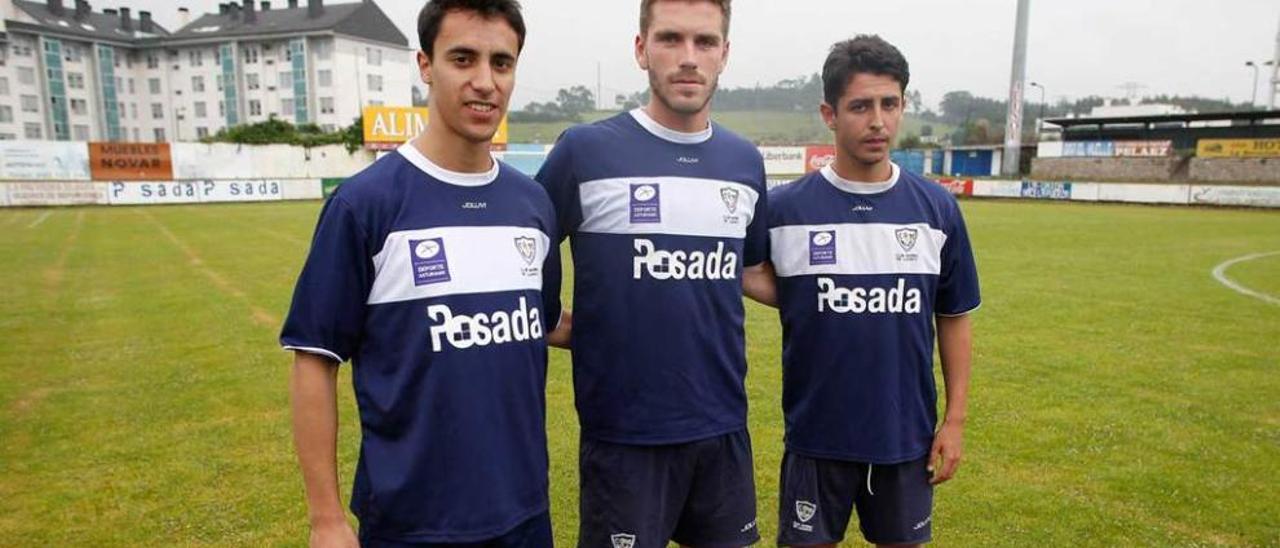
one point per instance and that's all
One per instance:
(828, 115)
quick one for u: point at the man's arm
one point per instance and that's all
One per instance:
(760, 284)
(955, 345)
(313, 392)
(559, 338)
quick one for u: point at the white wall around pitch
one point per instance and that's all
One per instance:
(47, 160)
(1252, 196)
(997, 189)
(1143, 194)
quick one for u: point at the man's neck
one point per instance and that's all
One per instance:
(683, 123)
(852, 170)
(452, 152)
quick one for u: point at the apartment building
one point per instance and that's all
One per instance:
(68, 72)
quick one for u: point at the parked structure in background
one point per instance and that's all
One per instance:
(69, 73)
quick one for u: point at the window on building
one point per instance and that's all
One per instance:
(197, 84)
(196, 57)
(286, 107)
(80, 132)
(157, 111)
(8, 137)
(4, 56)
(79, 107)
(250, 55)
(202, 132)
(323, 49)
(218, 79)
(159, 134)
(326, 105)
(329, 128)
(324, 78)
(132, 88)
(20, 50)
(154, 85)
(251, 81)
(222, 109)
(30, 103)
(373, 56)
(153, 61)
(6, 114)
(376, 102)
(4, 86)
(255, 107)
(133, 110)
(71, 53)
(26, 75)
(75, 80)
(201, 109)
(136, 137)
(375, 82)
(32, 131)
(286, 79)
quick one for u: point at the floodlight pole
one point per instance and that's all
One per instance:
(1013, 129)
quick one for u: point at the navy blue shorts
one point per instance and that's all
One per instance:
(894, 501)
(701, 493)
(534, 532)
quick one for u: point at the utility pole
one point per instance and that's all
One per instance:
(1013, 129)
(1275, 73)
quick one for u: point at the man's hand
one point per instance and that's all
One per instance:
(759, 283)
(561, 336)
(334, 534)
(948, 449)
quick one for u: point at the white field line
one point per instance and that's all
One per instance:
(1220, 274)
(40, 219)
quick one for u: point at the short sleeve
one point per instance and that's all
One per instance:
(558, 178)
(756, 246)
(328, 310)
(958, 292)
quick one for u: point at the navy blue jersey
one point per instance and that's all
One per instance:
(862, 270)
(661, 225)
(432, 283)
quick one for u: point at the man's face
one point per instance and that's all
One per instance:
(684, 51)
(471, 74)
(867, 118)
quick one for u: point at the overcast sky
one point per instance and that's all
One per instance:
(1077, 47)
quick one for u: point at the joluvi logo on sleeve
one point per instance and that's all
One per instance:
(646, 204)
(822, 247)
(430, 265)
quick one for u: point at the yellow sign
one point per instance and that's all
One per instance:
(387, 127)
(1238, 148)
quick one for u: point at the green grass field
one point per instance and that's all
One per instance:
(1121, 396)
(762, 127)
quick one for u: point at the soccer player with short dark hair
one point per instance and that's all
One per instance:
(664, 210)
(869, 260)
(436, 272)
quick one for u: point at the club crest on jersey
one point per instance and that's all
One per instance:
(646, 203)
(430, 264)
(528, 248)
(729, 196)
(623, 540)
(907, 237)
(822, 247)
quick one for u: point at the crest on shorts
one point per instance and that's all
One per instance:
(623, 540)
(907, 237)
(805, 510)
(528, 247)
(729, 196)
